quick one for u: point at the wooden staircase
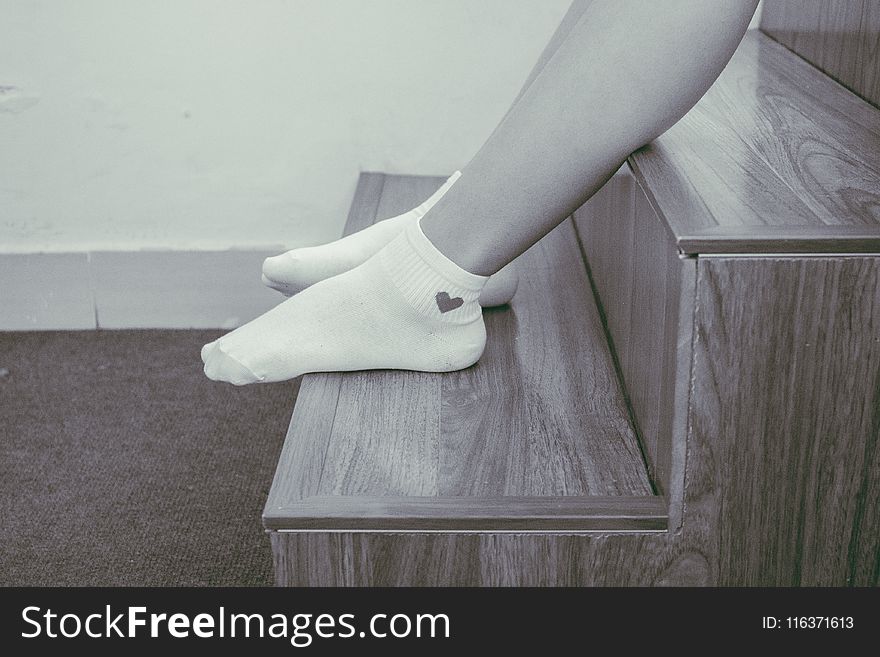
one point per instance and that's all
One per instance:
(685, 389)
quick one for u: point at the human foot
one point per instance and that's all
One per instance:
(407, 307)
(292, 272)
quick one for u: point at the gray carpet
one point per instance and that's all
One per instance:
(121, 464)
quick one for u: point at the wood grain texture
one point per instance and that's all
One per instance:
(646, 294)
(773, 142)
(511, 559)
(385, 424)
(375, 558)
(542, 412)
(302, 457)
(780, 481)
(413, 513)
(772, 470)
(530, 419)
(840, 37)
(301, 462)
(787, 392)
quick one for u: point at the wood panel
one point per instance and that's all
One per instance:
(840, 37)
(444, 559)
(787, 391)
(798, 131)
(774, 469)
(646, 294)
(774, 142)
(542, 413)
(684, 556)
(780, 482)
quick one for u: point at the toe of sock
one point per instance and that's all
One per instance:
(220, 366)
(277, 268)
(281, 273)
(206, 351)
(276, 285)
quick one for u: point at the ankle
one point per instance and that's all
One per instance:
(472, 255)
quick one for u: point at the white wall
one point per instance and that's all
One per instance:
(209, 124)
(756, 19)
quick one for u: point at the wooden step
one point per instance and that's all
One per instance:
(776, 158)
(839, 38)
(535, 436)
(735, 269)
(738, 271)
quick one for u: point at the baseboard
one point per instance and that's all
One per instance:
(138, 289)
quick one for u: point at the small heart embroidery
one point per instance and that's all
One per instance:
(445, 303)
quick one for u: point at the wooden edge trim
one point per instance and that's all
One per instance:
(781, 239)
(758, 239)
(588, 513)
(635, 165)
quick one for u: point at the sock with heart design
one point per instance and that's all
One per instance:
(407, 307)
(293, 271)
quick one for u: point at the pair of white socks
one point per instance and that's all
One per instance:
(294, 271)
(382, 298)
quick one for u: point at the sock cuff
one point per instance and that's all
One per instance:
(431, 282)
(440, 263)
(436, 196)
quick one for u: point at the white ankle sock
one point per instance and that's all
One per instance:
(408, 307)
(292, 272)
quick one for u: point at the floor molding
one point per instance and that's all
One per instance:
(132, 289)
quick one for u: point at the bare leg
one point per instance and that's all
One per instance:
(625, 72)
(566, 25)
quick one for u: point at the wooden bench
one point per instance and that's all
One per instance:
(684, 390)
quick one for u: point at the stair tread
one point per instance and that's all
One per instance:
(541, 415)
(776, 157)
